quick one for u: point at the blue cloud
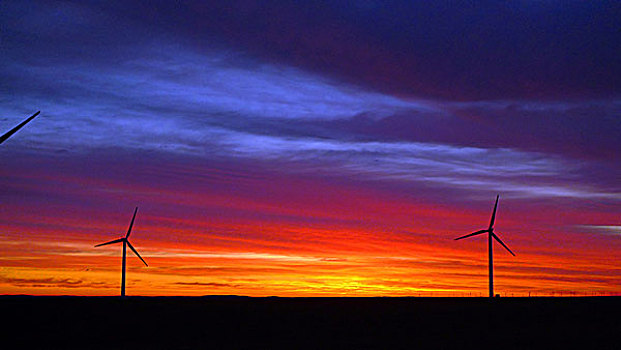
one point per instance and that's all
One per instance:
(164, 94)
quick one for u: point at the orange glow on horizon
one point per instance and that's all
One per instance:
(295, 237)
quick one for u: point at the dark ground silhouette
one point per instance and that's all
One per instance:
(319, 323)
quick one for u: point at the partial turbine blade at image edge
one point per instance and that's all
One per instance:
(111, 242)
(16, 129)
(472, 234)
(503, 244)
(136, 252)
(131, 224)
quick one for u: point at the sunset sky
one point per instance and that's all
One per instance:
(297, 148)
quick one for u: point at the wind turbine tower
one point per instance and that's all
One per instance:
(490, 235)
(125, 241)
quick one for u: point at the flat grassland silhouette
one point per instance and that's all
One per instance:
(317, 323)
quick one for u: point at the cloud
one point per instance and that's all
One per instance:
(52, 283)
(464, 51)
(234, 256)
(210, 109)
(611, 230)
(171, 96)
(207, 284)
(462, 167)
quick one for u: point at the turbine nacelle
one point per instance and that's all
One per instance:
(490, 230)
(124, 241)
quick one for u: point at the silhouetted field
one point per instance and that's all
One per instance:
(321, 323)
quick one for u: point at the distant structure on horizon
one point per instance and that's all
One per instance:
(125, 241)
(15, 129)
(490, 234)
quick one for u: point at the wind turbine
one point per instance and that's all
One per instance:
(490, 234)
(14, 130)
(125, 241)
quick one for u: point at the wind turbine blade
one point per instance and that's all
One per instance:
(491, 222)
(111, 242)
(136, 252)
(472, 234)
(501, 242)
(129, 230)
(15, 129)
